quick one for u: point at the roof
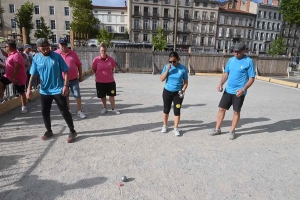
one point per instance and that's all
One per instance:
(236, 11)
(207, 1)
(110, 7)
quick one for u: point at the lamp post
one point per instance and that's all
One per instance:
(175, 27)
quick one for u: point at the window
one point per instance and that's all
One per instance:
(273, 26)
(228, 32)
(244, 22)
(167, 1)
(269, 25)
(296, 34)
(263, 25)
(145, 24)
(136, 24)
(254, 47)
(237, 21)
(122, 29)
(212, 16)
(279, 17)
(242, 33)
(184, 39)
(108, 18)
(68, 38)
(155, 1)
(202, 41)
(222, 19)
(197, 4)
(250, 22)
(185, 26)
(275, 15)
(209, 41)
(272, 36)
(67, 11)
(155, 13)
(260, 47)
(204, 4)
(211, 28)
(262, 36)
(145, 38)
(122, 13)
(265, 14)
(11, 8)
(249, 34)
(52, 24)
(13, 23)
(37, 24)
(51, 9)
(109, 29)
(166, 25)
(186, 14)
(220, 32)
(229, 20)
(203, 28)
(67, 25)
(234, 32)
(145, 0)
(196, 15)
(136, 37)
(278, 26)
(270, 15)
(194, 40)
(166, 12)
(122, 19)
(260, 14)
(204, 16)
(54, 38)
(195, 28)
(37, 10)
(154, 25)
(258, 24)
(187, 3)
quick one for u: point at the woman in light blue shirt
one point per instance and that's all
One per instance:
(176, 76)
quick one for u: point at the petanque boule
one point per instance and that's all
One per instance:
(124, 178)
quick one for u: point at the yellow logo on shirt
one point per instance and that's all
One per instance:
(112, 91)
(177, 105)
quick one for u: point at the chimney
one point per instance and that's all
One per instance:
(248, 5)
(265, 1)
(239, 3)
(275, 2)
(125, 4)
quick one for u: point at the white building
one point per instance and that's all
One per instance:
(113, 19)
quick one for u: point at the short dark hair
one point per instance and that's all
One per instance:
(174, 54)
(12, 44)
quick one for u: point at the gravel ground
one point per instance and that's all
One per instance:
(261, 163)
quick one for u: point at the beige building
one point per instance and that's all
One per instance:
(197, 21)
(57, 15)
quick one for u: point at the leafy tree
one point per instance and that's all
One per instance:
(84, 22)
(126, 35)
(43, 31)
(23, 18)
(105, 36)
(159, 41)
(2, 10)
(277, 47)
(290, 11)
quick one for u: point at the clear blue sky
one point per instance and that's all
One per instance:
(122, 2)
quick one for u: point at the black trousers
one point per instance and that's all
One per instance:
(170, 97)
(61, 101)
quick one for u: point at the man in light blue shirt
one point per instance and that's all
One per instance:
(240, 73)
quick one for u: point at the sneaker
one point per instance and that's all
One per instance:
(164, 129)
(103, 111)
(81, 114)
(24, 109)
(72, 137)
(116, 111)
(231, 135)
(215, 132)
(47, 135)
(176, 131)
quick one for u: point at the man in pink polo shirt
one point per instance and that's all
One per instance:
(14, 73)
(103, 67)
(75, 67)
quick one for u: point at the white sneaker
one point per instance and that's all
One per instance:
(81, 114)
(103, 111)
(164, 129)
(176, 131)
(116, 111)
(24, 109)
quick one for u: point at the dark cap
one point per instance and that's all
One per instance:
(27, 46)
(42, 42)
(20, 48)
(63, 41)
(239, 46)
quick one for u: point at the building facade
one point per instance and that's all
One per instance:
(56, 13)
(113, 19)
(197, 21)
(291, 34)
(234, 26)
(268, 26)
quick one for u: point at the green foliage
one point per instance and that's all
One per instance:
(126, 35)
(105, 36)
(277, 47)
(2, 10)
(44, 31)
(84, 22)
(290, 10)
(23, 18)
(159, 41)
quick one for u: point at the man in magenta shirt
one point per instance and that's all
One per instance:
(75, 67)
(103, 67)
(14, 73)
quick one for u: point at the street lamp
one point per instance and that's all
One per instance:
(175, 27)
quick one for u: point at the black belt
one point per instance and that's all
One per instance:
(73, 79)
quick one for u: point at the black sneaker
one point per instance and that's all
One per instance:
(47, 135)
(72, 137)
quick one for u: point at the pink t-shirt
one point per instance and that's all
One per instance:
(73, 62)
(15, 57)
(104, 69)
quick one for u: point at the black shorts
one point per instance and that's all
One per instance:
(5, 82)
(231, 99)
(104, 89)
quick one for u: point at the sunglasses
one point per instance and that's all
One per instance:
(6, 46)
(172, 61)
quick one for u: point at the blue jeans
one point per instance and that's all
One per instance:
(74, 87)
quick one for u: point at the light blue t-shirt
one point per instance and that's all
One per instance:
(176, 75)
(239, 72)
(50, 69)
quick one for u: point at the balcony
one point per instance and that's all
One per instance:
(137, 13)
(236, 36)
(186, 30)
(167, 29)
(146, 27)
(205, 18)
(186, 16)
(155, 15)
(211, 32)
(138, 27)
(196, 18)
(147, 14)
(213, 19)
(166, 15)
(203, 31)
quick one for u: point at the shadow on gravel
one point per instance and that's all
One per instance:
(18, 139)
(284, 125)
(8, 161)
(34, 188)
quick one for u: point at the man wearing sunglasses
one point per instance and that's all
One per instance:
(50, 66)
(240, 73)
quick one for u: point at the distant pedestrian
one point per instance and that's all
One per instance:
(240, 73)
(50, 66)
(103, 66)
(176, 77)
